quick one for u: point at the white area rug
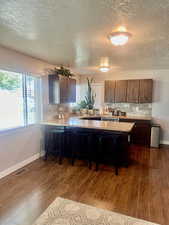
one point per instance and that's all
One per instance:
(66, 212)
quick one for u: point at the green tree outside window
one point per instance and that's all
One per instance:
(9, 81)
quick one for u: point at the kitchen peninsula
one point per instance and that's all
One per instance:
(79, 136)
(121, 127)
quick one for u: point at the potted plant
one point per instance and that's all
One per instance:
(88, 103)
(83, 107)
(61, 71)
(90, 96)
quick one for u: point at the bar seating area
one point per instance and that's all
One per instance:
(113, 149)
(96, 147)
(81, 145)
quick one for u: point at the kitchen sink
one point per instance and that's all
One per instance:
(101, 118)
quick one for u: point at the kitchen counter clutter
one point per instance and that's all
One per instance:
(92, 124)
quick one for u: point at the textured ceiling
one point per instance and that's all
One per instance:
(74, 32)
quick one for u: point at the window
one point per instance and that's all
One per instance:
(19, 100)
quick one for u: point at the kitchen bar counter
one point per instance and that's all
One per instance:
(141, 132)
(122, 127)
(85, 138)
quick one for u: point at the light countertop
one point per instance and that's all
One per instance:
(92, 124)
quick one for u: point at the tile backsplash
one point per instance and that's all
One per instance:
(52, 111)
(132, 108)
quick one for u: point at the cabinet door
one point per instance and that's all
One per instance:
(145, 92)
(53, 81)
(141, 134)
(121, 91)
(109, 91)
(72, 90)
(64, 89)
(133, 91)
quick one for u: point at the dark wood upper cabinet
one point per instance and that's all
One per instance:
(133, 91)
(61, 89)
(109, 91)
(121, 91)
(72, 90)
(145, 91)
(53, 81)
(64, 89)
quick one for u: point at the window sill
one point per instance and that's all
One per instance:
(14, 130)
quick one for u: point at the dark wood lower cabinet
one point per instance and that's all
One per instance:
(141, 133)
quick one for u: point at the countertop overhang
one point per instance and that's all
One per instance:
(124, 127)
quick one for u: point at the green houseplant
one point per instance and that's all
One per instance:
(90, 96)
(61, 71)
(89, 100)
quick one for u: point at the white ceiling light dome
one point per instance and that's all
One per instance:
(120, 37)
(104, 64)
(104, 69)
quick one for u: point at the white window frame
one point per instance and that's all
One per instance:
(38, 103)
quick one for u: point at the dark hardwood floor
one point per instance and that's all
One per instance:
(141, 190)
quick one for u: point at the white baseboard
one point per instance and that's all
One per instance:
(164, 142)
(20, 165)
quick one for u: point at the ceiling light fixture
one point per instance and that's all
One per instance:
(120, 37)
(104, 69)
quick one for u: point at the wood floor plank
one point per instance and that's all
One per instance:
(141, 190)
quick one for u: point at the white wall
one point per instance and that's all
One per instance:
(17, 62)
(160, 106)
(18, 146)
(23, 144)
